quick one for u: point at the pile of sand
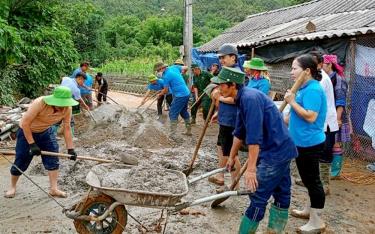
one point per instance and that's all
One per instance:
(107, 113)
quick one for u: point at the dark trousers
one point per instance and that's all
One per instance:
(168, 98)
(179, 107)
(102, 94)
(327, 156)
(273, 180)
(45, 140)
(308, 168)
(195, 109)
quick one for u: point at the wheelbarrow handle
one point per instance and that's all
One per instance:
(210, 173)
(212, 198)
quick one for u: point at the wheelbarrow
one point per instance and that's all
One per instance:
(103, 210)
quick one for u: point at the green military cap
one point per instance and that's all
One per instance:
(229, 74)
(194, 65)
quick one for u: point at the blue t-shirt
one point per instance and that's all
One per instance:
(75, 72)
(156, 87)
(228, 112)
(73, 86)
(178, 68)
(174, 81)
(261, 84)
(311, 97)
(88, 83)
(259, 122)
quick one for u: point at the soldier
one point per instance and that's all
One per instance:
(200, 81)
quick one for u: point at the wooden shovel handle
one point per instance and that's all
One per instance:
(155, 99)
(238, 177)
(47, 153)
(212, 107)
(297, 84)
(199, 98)
(61, 155)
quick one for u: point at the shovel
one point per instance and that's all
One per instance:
(155, 99)
(190, 168)
(297, 84)
(103, 95)
(148, 98)
(92, 116)
(68, 156)
(195, 103)
(217, 202)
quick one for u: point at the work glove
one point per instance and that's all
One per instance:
(73, 154)
(34, 150)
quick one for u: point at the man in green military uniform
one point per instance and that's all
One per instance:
(200, 81)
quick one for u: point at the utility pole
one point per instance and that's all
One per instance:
(188, 36)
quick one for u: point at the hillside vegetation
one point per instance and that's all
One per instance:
(41, 40)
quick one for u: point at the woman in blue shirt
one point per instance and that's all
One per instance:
(258, 75)
(306, 126)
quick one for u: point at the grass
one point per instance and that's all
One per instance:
(134, 68)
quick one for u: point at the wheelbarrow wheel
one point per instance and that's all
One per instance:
(96, 204)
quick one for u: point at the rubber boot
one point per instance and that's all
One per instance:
(336, 162)
(277, 220)
(173, 128)
(159, 118)
(188, 127)
(315, 224)
(325, 176)
(173, 133)
(248, 226)
(73, 136)
(72, 130)
(193, 121)
(303, 214)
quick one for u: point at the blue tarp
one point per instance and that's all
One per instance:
(207, 59)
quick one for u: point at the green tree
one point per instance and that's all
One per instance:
(35, 48)
(86, 22)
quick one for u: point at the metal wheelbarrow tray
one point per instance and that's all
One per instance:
(104, 209)
(137, 197)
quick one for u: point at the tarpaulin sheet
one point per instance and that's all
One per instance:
(363, 89)
(206, 60)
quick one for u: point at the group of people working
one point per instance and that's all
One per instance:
(38, 125)
(246, 117)
(315, 125)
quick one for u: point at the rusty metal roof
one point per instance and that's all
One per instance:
(331, 18)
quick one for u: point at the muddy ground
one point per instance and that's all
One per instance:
(349, 209)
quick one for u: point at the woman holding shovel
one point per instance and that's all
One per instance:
(35, 134)
(306, 126)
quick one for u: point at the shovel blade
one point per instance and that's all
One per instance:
(128, 159)
(217, 202)
(187, 171)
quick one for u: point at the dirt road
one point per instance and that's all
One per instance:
(349, 209)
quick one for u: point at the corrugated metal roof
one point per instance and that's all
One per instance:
(332, 18)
